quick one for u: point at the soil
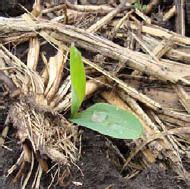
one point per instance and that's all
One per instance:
(97, 170)
(13, 8)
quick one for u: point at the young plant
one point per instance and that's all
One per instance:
(139, 5)
(101, 117)
(78, 80)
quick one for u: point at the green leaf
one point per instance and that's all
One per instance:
(144, 7)
(78, 80)
(110, 120)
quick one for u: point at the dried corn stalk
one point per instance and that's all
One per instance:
(49, 133)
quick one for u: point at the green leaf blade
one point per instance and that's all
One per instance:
(78, 80)
(110, 120)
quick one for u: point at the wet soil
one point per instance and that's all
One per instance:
(97, 170)
(14, 7)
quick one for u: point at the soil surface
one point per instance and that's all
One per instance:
(98, 172)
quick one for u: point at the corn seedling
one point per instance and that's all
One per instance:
(101, 117)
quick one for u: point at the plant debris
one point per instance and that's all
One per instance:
(136, 56)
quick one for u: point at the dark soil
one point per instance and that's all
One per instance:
(97, 169)
(13, 8)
